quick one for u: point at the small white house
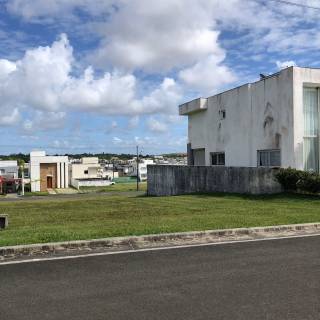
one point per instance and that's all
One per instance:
(48, 172)
(88, 173)
(143, 163)
(9, 168)
(271, 122)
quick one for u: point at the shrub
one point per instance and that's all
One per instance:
(310, 182)
(293, 180)
(288, 178)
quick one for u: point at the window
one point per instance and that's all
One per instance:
(86, 171)
(269, 158)
(218, 159)
(311, 129)
(222, 114)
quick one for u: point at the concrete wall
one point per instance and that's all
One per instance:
(175, 180)
(90, 183)
(258, 116)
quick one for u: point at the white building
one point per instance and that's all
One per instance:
(142, 168)
(9, 168)
(272, 122)
(86, 169)
(48, 172)
(89, 172)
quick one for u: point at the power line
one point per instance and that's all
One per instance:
(296, 4)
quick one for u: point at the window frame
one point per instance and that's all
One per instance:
(268, 151)
(310, 137)
(217, 154)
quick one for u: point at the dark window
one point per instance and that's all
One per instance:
(86, 171)
(269, 158)
(222, 114)
(218, 159)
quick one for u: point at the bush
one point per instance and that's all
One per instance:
(293, 180)
(288, 178)
(310, 182)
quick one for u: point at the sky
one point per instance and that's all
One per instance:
(107, 75)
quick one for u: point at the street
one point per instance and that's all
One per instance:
(276, 279)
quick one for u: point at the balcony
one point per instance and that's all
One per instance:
(193, 106)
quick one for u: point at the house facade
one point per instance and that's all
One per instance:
(88, 168)
(273, 122)
(48, 172)
(9, 168)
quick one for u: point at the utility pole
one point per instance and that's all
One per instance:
(137, 168)
(112, 169)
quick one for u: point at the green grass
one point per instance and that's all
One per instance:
(118, 187)
(32, 194)
(97, 216)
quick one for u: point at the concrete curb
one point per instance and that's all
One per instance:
(157, 240)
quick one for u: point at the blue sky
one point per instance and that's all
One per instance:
(106, 75)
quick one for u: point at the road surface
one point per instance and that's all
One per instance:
(276, 279)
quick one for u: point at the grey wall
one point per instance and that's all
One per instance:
(175, 180)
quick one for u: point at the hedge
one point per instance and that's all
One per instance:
(298, 180)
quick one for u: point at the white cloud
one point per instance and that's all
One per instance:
(207, 75)
(60, 144)
(44, 120)
(43, 80)
(6, 67)
(50, 10)
(116, 140)
(9, 117)
(159, 35)
(156, 126)
(163, 99)
(285, 64)
(133, 122)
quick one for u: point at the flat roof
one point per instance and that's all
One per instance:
(249, 83)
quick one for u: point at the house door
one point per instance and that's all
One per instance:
(49, 182)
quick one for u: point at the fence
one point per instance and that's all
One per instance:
(166, 180)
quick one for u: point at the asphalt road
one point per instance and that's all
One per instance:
(278, 279)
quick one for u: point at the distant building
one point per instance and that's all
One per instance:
(9, 173)
(88, 172)
(273, 122)
(86, 169)
(48, 172)
(9, 168)
(142, 168)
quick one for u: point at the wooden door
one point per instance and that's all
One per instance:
(49, 182)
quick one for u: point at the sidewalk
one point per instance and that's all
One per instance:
(118, 244)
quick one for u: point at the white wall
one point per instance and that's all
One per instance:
(303, 77)
(258, 116)
(78, 169)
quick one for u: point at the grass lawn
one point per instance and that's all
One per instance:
(118, 187)
(97, 216)
(32, 194)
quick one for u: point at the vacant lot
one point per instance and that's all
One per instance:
(119, 215)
